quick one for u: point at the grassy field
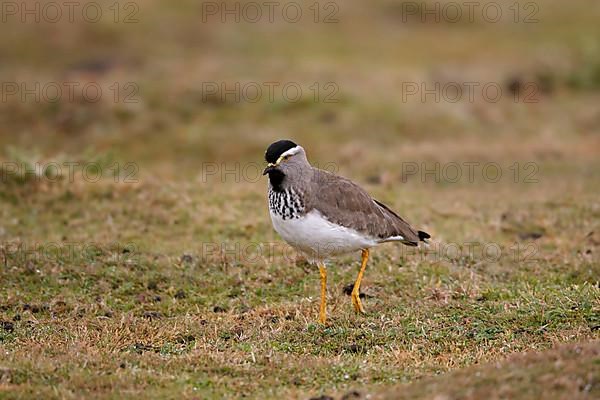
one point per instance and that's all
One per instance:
(137, 257)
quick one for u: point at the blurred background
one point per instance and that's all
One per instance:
(144, 123)
(158, 65)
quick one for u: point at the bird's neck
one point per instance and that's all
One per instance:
(276, 179)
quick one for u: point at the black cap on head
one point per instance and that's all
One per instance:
(277, 149)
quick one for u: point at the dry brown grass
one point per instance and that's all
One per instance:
(151, 288)
(565, 372)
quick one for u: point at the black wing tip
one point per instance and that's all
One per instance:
(423, 236)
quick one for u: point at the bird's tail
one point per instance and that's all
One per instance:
(423, 236)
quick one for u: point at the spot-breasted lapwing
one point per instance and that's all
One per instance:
(324, 215)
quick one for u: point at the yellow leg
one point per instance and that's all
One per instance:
(356, 290)
(323, 309)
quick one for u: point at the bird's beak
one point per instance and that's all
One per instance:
(270, 167)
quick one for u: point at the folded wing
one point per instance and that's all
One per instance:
(343, 202)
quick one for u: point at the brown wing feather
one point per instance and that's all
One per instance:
(344, 203)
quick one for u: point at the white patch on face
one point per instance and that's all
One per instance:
(318, 238)
(291, 152)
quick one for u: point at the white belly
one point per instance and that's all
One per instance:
(318, 238)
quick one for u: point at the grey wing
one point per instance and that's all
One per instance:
(343, 202)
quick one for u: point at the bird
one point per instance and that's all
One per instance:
(323, 215)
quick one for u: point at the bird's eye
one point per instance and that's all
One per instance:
(286, 157)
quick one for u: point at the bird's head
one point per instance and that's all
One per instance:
(285, 159)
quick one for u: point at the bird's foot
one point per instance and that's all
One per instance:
(322, 318)
(358, 307)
